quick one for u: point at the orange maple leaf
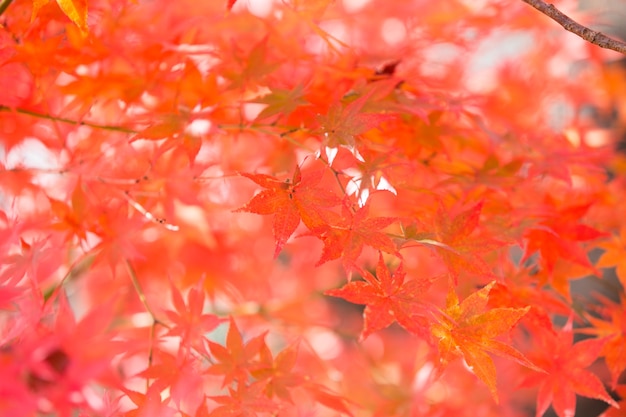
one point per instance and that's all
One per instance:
(388, 298)
(245, 400)
(291, 202)
(277, 372)
(468, 329)
(76, 10)
(615, 255)
(234, 360)
(151, 403)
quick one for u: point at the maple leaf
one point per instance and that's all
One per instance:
(234, 360)
(76, 10)
(280, 101)
(612, 327)
(564, 363)
(150, 404)
(188, 321)
(254, 67)
(469, 329)
(455, 241)
(37, 261)
(180, 373)
(71, 218)
(163, 126)
(246, 400)
(277, 372)
(557, 236)
(620, 390)
(116, 233)
(342, 124)
(291, 202)
(615, 255)
(387, 298)
(346, 237)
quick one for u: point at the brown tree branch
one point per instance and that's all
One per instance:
(592, 36)
(4, 4)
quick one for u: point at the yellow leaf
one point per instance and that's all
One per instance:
(76, 10)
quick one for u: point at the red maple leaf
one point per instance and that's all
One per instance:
(388, 298)
(558, 236)
(565, 375)
(455, 240)
(342, 123)
(290, 202)
(612, 326)
(347, 236)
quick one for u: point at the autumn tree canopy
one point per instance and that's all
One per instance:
(307, 208)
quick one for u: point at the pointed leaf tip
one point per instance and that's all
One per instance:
(76, 10)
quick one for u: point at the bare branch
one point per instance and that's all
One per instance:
(592, 36)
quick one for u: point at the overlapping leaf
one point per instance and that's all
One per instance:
(280, 102)
(387, 299)
(347, 236)
(235, 360)
(615, 255)
(76, 10)
(558, 237)
(290, 202)
(188, 320)
(277, 372)
(612, 326)
(455, 240)
(565, 375)
(469, 329)
(342, 123)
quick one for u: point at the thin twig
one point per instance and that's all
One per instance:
(149, 215)
(141, 294)
(68, 121)
(592, 36)
(78, 267)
